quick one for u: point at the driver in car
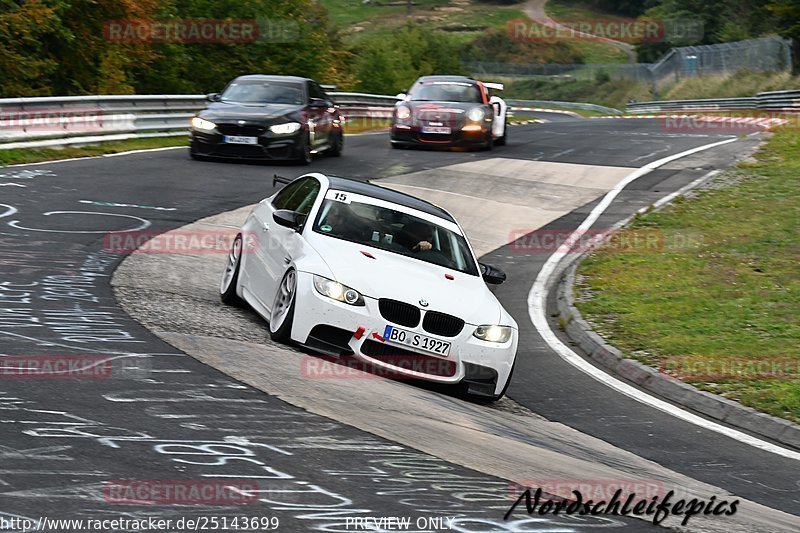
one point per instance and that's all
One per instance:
(417, 237)
(345, 224)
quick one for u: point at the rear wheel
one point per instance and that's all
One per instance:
(282, 315)
(501, 141)
(337, 144)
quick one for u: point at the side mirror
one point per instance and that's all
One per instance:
(288, 219)
(317, 102)
(213, 97)
(401, 96)
(492, 275)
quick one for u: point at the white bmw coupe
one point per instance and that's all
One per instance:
(348, 268)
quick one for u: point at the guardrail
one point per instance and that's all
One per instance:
(778, 101)
(59, 121)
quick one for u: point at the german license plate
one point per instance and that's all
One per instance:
(436, 129)
(416, 341)
(237, 139)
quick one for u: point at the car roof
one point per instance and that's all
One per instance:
(388, 195)
(273, 77)
(447, 78)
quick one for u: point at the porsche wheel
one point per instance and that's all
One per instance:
(280, 322)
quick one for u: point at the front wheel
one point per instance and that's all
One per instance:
(282, 315)
(230, 278)
(305, 157)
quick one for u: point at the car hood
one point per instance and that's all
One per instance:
(252, 113)
(391, 275)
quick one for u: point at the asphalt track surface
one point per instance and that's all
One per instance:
(163, 416)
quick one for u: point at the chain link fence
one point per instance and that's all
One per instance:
(757, 55)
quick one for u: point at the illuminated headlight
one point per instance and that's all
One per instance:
(202, 124)
(285, 129)
(475, 114)
(336, 291)
(403, 112)
(498, 334)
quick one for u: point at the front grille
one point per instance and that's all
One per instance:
(399, 312)
(408, 360)
(442, 324)
(239, 150)
(244, 131)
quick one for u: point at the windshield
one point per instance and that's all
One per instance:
(395, 231)
(447, 92)
(264, 92)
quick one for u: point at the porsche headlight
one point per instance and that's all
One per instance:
(336, 291)
(475, 114)
(202, 124)
(403, 112)
(491, 333)
(285, 129)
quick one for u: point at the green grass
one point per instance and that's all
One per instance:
(733, 292)
(742, 83)
(35, 155)
(613, 93)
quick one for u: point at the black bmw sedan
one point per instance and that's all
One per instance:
(268, 118)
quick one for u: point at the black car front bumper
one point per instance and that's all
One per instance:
(270, 146)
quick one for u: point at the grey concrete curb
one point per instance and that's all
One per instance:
(650, 379)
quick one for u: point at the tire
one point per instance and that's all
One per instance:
(305, 157)
(230, 278)
(195, 156)
(489, 142)
(282, 314)
(337, 146)
(502, 140)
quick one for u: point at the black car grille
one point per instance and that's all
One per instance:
(244, 131)
(408, 360)
(442, 324)
(399, 312)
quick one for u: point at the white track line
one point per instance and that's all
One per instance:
(537, 299)
(101, 156)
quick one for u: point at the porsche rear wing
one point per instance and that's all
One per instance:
(492, 85)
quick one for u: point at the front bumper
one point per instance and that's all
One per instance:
(328, 326)
(269, 147)
(413, 136)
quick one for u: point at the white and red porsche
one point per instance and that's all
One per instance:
(449, 111)
(348, 268)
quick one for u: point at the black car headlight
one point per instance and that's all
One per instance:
(286, 128)
(336, 291)
(202, 124)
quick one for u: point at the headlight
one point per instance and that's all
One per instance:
(202, 124)
(403, 112)
(498, 334)
(336, 291)
(285, 129)
(475, 114)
